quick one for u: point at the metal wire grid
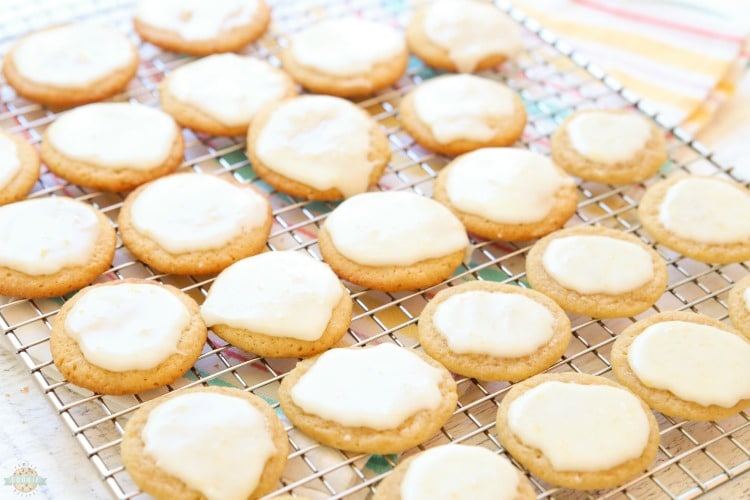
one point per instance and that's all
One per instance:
(694, 457)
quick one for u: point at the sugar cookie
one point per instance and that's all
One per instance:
(739, 305)
(19, 167)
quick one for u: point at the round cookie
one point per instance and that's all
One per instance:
(418, 393)
(506, 193)
(609, 145)
(462, 36)
(52, 246)
(730, 367)
(107, 338)
(443, 473)
(498, 318)
(280, 304)
(699, 217)
(455, 114)
(190, 223)
(70, 64)
(93, 145)
(346, 57)
(201, 28)
(596, 271)
(392, 241)
(739, 305)
(576, 416)
(221, 94)
(19, 167)
(206, 427)
(317, 147)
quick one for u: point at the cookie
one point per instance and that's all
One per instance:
(455, 471)
(19, 167)
(685, 365)
(609, 145)
(455, 114)
(221, 94)
(52, 246)
(201, 28)
(190, 223)
(700, 217)
(94, 145)
(282, 304)
(127, 336)
(392, 241)
(490, 331)
(317, 147)
(70, 64)
(236, 444)
(739, 305)
(577, 431)
(507, 193)
(346, 57)
(462, 36)
(597, 272)
(377, 399)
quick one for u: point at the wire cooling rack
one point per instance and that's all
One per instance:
(694, 457)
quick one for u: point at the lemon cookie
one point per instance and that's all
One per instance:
(200, 28)
(577, 431)
(317, 147)
(455, 114)
(70, 64)
(278, 304)
(51, 246)
(236, 445)
(685, 365)
(19, 167)
(596, 271)
(379, 399)
(506, 193)
(127, 336)
(221, 94)
(463, 36)
(93, 145)
(704, 218)
(739, 305)
(194, 223)
(392, 241)
(491, 331)
(346, 57)
(455, 471)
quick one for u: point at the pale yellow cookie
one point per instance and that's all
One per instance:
(739, 305)
(19, 167)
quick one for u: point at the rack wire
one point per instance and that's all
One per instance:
(553, 80)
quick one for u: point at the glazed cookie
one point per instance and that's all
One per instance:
(52, 246)
(685, 365)
(71, 64)
(739, 305)
(577, 431)
(236, 444)
(462, 36)
(612, 146)
(194, 223)
(597, 272)
(221, 94)
(380, 399)
(200, 28)
(489, 331)
(94, 145)
(506, 193)
(19, 167)
(346, 57)
(317, 147)
(455, 471)
(703, 218)
(279, 305)
(455, 114)
(392, 241)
